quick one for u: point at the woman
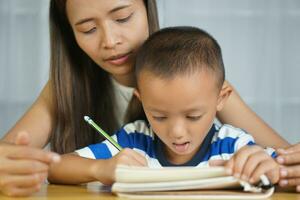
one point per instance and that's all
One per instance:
(93, 45)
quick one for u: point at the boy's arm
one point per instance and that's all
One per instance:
(73, 169)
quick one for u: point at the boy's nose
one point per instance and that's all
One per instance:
(177, 130)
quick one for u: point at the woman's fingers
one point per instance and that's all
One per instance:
(293, 148)
(30, 180)
(16, 185)
(25, 152)
(290, 172)
(23, 167)
(19, 191)
(289, 158)
(22, 138)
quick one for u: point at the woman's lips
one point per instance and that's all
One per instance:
(119, 60)
(181, 147)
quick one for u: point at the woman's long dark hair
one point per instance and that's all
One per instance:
(80, 87)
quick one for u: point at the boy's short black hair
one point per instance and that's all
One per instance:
(180, 50)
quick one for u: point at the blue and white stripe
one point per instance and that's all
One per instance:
(140, 137)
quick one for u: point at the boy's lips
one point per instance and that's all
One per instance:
(181, 147)
(118, 59)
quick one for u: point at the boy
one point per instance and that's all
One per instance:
(180, 77)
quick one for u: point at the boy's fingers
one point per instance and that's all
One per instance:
(130, 157)
(139, 158)
(273, 176)
(263, 168)
(213, 163)
(229, 165)
(242, 157)
(252, 163)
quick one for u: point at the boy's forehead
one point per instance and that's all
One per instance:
(148, 77)
(181, 91)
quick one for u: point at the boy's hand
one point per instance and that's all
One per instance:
(125, 157)
(250, 162)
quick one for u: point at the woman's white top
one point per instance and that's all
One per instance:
(123, 96)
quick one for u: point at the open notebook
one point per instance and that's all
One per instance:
(185, 182)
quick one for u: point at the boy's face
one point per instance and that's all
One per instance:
(180, 110)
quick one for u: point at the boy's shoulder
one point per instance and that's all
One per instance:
(227, 130)
(139, 127)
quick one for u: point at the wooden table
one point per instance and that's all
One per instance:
(94, 191)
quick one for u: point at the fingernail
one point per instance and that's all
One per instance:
(237, 175)
(280, 159)
(283, 173)
(283, 183)
(251, 180)
(281, 151)
(298, 188)
(56, 158)
(228, 171)
(244, 177)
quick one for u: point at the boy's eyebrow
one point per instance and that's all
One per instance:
(111, 11)
(199, 109)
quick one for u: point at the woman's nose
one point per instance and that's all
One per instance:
(110, 38)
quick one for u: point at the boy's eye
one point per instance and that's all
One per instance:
(194, 118)
(159, 118)
(123, 20)
(90, 31)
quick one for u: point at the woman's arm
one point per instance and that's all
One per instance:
(237, 113)
(36, 121)
(24, 165)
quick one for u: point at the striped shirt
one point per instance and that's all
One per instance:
(220, 143)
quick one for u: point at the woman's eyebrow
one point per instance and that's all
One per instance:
(118, 8)
(111, 11)
(83, 21)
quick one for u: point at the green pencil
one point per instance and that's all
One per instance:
(102, 132)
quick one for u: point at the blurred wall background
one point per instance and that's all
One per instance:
(259, 38)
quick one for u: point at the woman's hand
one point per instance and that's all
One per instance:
(23, 169)
(250, 162)
(289, 158)
(125, 157)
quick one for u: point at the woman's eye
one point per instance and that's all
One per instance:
(123, 20)
(90, 31)
(159, 118)
(194, 118)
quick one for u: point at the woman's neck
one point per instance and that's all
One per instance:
(126, 80)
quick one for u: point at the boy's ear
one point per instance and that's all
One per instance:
(137, 94)
(223, 95)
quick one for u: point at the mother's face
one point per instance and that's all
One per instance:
(109, 31)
